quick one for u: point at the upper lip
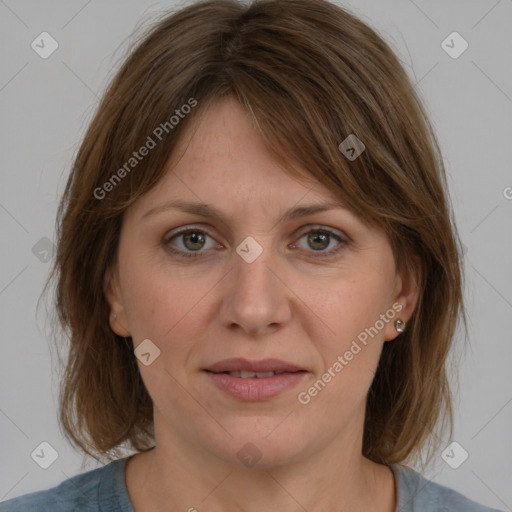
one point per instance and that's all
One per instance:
(241, 364)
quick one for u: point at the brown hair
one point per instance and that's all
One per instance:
(309, 74)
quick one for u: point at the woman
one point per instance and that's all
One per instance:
(259, 272)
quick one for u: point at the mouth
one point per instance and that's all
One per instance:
(254, 380)
(245, 368)
(241, 374)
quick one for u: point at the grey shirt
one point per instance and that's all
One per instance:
(104, 489)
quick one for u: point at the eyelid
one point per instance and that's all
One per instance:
(184, 229)
(321, 227)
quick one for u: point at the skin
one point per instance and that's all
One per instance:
(287, 304)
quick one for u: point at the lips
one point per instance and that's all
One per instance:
(254, 380)
(251, 375)
(241, 366)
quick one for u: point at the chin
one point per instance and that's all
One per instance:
(260, 447)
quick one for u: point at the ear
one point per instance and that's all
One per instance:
(405, 296)
(117, 319)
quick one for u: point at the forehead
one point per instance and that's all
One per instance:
(221, 158)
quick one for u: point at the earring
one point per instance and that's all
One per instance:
(400, 325)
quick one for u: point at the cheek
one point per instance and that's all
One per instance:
(156, 297)
(165, 310)
(171, 307)
(349, 361)
(160, 310)
(351, 307)
(349, 339)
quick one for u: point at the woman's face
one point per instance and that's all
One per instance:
(249, 285)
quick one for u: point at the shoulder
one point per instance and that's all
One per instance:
(98, 489)
(416, 493)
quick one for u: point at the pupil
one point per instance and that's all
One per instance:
(318, 236)
(195, 238)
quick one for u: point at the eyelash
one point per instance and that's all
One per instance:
(198, 254)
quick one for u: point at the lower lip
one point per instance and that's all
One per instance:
(254, 389)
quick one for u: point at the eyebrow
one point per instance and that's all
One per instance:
(209, 211)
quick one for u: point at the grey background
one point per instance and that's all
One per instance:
(45, 106)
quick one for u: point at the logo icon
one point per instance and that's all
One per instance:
(44, 45)
(43, 250)
(146, 352)
(454, 455)
(249, 454)
(44, 455)
(454, 45)
(249, 249)
(352, 147)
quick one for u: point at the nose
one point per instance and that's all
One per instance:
(256, 299)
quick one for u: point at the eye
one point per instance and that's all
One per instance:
(319, 239)
(192, 241)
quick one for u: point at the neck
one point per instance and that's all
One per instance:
(177, 475)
